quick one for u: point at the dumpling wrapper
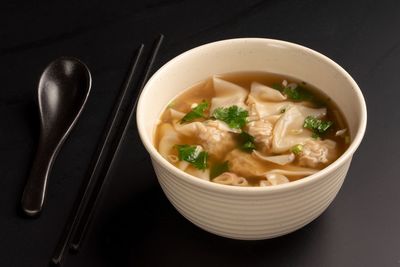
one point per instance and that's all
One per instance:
(265, 101)
(264, 183)
(295, 171)
(196, 128)
(289, 131)
(229, 178)
(277, 178)
(176, 115)
(214, 136)
(168, 140)
(202, 174)
(266, 93)
(280, 159)
(227, 94)
(190, 129)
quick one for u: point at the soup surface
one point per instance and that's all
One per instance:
(251, 129)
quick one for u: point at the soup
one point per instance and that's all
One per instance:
(251, 129)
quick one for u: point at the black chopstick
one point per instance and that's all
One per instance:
(83, 224)
(98, 160)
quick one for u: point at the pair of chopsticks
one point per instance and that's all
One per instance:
(79, 221)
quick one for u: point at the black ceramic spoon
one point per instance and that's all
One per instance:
(63, 90)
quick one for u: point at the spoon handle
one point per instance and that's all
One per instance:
(35, 188)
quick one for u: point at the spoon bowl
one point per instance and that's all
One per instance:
(63, 90)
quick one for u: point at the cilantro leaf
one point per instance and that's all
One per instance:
(187, 152)
(316, 125)
(278, 86)
(234, 116)
(297, 93)
(194, 155)
(218, 169)
(196, 112)
(246, 142)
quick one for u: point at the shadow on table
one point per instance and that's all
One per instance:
(148, 231)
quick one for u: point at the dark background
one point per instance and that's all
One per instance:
(136, 225)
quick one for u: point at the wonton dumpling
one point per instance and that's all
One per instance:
(214, 136)
(227, 94)
(168, 140)
(261, 130)
(189, 129)
(315, 152)
(262, 109)
(263, 92)
(244, 164)
(229, 178)
(264, 102)
(289, 131)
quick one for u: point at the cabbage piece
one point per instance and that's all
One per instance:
(227, 94)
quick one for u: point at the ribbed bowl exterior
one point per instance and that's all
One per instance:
(247, 216)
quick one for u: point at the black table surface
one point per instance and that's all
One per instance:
(135, 224)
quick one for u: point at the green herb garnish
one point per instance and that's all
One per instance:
(297, 149)
(317, 126)
(246, 142)
(218, 169)
(315, 136)
(234, 116)
(278, 86)
(193, 155)
(196, 113)
(298, 93)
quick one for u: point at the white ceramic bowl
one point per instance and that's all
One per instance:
(250, 212)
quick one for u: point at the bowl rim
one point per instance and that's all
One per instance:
(227, 189)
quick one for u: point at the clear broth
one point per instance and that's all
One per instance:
(205, 91)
